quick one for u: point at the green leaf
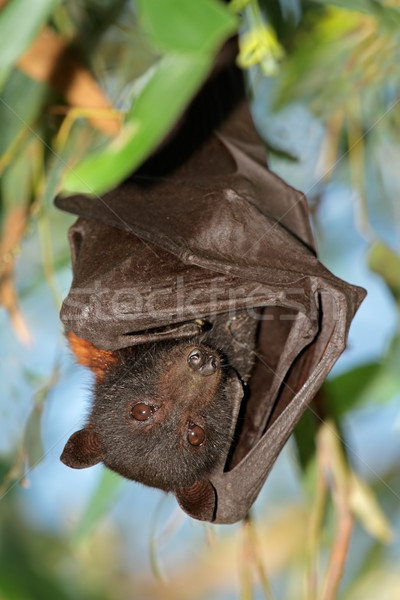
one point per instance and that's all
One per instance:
(304, 436)
(190, 33)
(16, 182)
(20, 104)
(348, 389)
(365, 506)
(237, 6)
(386, 263)
(182, 26)
(368, 384)
(380, 580)
(33, 437)
(389, 15)
(100, 503)
(172, 85)
(33, 434)
(365, 6)
(20, 21)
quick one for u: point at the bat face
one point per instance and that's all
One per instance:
(159, 416)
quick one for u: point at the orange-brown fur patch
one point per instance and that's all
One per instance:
(87, 354)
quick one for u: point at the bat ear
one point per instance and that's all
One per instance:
(198, 500)
(82, 449)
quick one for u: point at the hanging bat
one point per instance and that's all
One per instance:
(199, 304)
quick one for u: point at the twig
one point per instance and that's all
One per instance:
(337, 471)
(315, 527)
(252, 557)
(337, 560)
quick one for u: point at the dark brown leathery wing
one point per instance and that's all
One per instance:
(204, 228)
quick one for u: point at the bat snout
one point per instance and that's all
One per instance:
(204, 362)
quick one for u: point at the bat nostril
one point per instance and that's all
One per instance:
(196, 359)
(210, 365)
(203, 362)
(214, 363)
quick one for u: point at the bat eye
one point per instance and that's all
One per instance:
(196, 435)
(142, 411)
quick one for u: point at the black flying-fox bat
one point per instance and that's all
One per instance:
(199, 303)
(162, 412)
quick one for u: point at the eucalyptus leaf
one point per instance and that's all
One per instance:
(348, 390)
(304, 437)
(162, 100)
(20, 21)
(384, 261)
(20, 104)
(389, 15)
(33, 435)
(189, 34)
(183, 26)
(16, 182)
(367, 384)
(33, 438)
(100, 503)
(381, 582)
(365, 6)
(366, 508)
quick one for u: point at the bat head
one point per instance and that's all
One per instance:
(161, 418)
